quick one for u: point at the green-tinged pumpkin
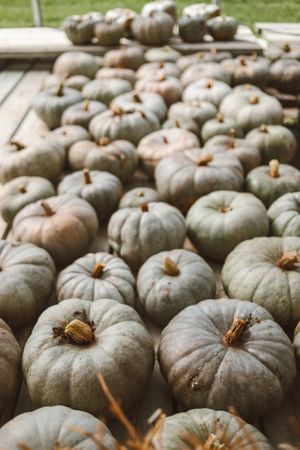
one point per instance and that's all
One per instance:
(253, 70)
(214, 55)
(74, 82)
(109, 34)
(82, 113)
(135, 234)
(285, 75)
(79, 29)
(155, 29)
(170, 88)
(67, 135)
(95, 337)
(138, 196)
(284, 215)
(76, 63)
(59, 427)
(27, 276)
(198, 111)
(220, 125)
(166, 6)
(219, 221)
(266, 271)
(97, 276)
(135, 100)
(210, 70)
(172, 280)
(222, 28)
(130, 58)
(105, 90)
(63, 225)
(156, 68)
(162, 54)
(212, 91)
(192, 29)
(270, 182)
(210, 351)
(122, 16)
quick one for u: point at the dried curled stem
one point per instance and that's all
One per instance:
(47, 208)
(17, 144)
(288, 261)
(170, 267)
(59, 90)
(235, 332)
(78, 331)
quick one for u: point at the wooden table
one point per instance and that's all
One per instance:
(19, 83)
(279, 32)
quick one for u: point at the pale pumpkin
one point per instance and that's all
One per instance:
(116, 72)
(10, 362)
(214, 55)
(204, 10)
(157, 68)
(198, 111)
(210, 351)
(210, 70)
(58, 427)
(266, 271)
(95, 337)
(79, 29)
(130, 58)
(109, 33)
(64, 225)
(192, 29)
(21, 191)
(270, 182)
(117, 157)
(101, 190)
(170, 88)
(97, 276)
(222, 28)
(27, 275)
(162, 54)
(138, 196)
(172, 280)
(285, 75)
(74, 82)
(155, 29)
(273, 142)
(76, 63)
(67, 135)
(139, 100)
(252, 70)
(45, 157)
(219, 221)
(135, 234)
(220, 125)
(166, 6)
(181, 179)
(122, 16)
(160, 144)
(284, 215)
(105, 90)
(124, 123)
(212, 91)
(211, 429)
(82, 113)
(184, 124)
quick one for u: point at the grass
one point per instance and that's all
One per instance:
(17, 13)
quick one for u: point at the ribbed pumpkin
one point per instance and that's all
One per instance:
(209, 351)
(155, 29)
(135, 100)
(220, 125)
(67, 135)
(122, 16)
(222, 28)
(181, 179)
(59, 427)
(168, 87)
(74, 82)
(284, 215)
(166, 6)
(97, 276)
(108, 33)
(210, 70)
(266, 271)
(219, 221)
(95, 337)
(135, 234)
(184, 124)
(130, 58)
(204, 10)
(106, 90)
(158, 68)
(213, 56)
(170, 281)
(76, 63)
(82, 113)
(79, 29)
(191, 29)
(198, 111)
(162, 54)
(243, 70)
(212, 91)
(138, 196)
(116, 72)
(285, 75)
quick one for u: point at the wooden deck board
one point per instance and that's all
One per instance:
(10, 77)
(279, 32)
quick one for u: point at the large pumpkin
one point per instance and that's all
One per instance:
(67, 135)
(168, 87)
(139, 100)
(181, 179)
(155, 29)
(222, 28)
(166, 6)
(212, 91)
(135, 234)
(137, 196)
(192, 29)
(243, 70)
(130, 58)
(210, 70)
(82, 113)
(172, 280)
(285, 75)
(219, 221)
(74, 341)
(155, 68)
(220, 125)
(76, 63)
(64, 225)
(59, 428)
(198, 111)
(266, 271)
(109, 33)
(122, 16)
(10, 362)
(284, 215)
(210, 351)
(26, 277)
(162, 54)
(79, 29)
(106, 90)
(116, 72)
(96, 276)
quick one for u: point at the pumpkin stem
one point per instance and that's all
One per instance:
(231, 143)
(288, 261)
(161, 65)
(144, 207)
(209, 84)
(22, 189)
(231, 133)
(225, 209)
(236, 330)
(213, 443)
(243, 62)
(286, 48)
(141, 194)
(60, 90)
(86, 105)
(165, 140)
(17, 144)
(205, 159)
(79, 332)
(254, 99)
(177, 123)
(263, 128)
(86, 176)
(161, 77)
(220, 118)
(117, 111)
(170, 267)
(103, 141)
(47, 208)
(136, 98)
(274, 168)
(98, 269)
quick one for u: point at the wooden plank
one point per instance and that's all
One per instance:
(10, 77)
(31, 127)
(16, 106)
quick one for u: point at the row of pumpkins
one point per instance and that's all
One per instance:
(214, 354)
(154, 26)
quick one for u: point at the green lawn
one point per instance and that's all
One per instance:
(17, 13)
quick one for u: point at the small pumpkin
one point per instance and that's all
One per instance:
(212, 91)
(76, 63)
(10, 361)
(138, 196)
(273, 142)
(285, 75)
(45, 157)
(222, 28)
(124, 123)
(181, 179)
(203, 10)
(129, 58)
(219, 221)
(284, 215)
(139, 100)
(95, 337)
(170, 88)
(59, 427)
(156, 68)
(247, 344)
(266, 271)
(214, 55)
(67, 135)
(27, 276)
(74, 82)
(198, 111)
(253, 70)
(192, 29)
(135, 234)
(106, 90)
(166, 6)
(155, 29)
(101, 190)
(170, 281)
(270, 182)
(22, 191)
(117, 157)
(162, 54)
(184, 124)
(109, 34)
(50, 104)
(160, 144)
(64, 225)
(82, 113)
(106, 73)
(208, 70)
(97, 276)
(79, 29)
(220, 125)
